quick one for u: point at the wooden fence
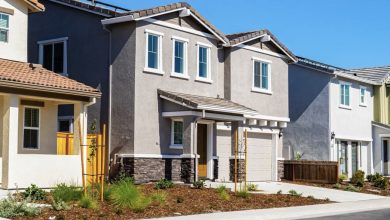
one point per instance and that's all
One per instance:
(311, 171)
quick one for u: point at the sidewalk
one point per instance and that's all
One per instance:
(294, 212)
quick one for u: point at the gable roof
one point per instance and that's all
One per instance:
(29, 76)
(160, 10)
(376, 74)
(101, 8)
(35, 5)
(243, 37)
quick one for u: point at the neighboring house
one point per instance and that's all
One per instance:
(331, 110)
(381, 122)
(178, 88)
(29, 100)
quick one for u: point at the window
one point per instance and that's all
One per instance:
(4, 28)
(153, 56)
(31, 128)
(204, 62)
(261, 75)
(362, 96)
(177, 134)
(53, 55)
(345, 94)
(179, 61)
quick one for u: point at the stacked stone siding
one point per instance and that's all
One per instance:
(280, 169)
(241, 169)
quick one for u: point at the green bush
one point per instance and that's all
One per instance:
(294, 193)
(373, 177)
(337, 186)
(358, 178)
(279, 192)
(159, 197)
(310, 197)
(125, 194)
(59, 205)
(252, 187)
(88, 203)
(164, 184)
(11, 207)
(382, 183)
(97, 190)
(67, 193)
(220, 188)
(199, 184)
(34, 193)
(243, 194)
(342, 178)
(224, 195)
(352, 188)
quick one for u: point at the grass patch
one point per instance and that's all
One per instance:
(159, 197)
(164, 184)
(88, 203)
(252, 187)
(294, 193)
(243, 194)
(125, 194)
(352, 188)
(67, 193)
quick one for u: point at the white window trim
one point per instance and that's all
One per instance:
(343, 106)
(172, 145)
(65, 52)
(261, 90)
(159, 69)
(208, 78)
(363, 104)
(7, 29)
(183, 75)
(32, 128)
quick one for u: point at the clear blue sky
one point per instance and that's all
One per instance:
(345, 33)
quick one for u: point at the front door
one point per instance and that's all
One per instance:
(343, 158)
(355, 160)
(202, 151)
(385, 157)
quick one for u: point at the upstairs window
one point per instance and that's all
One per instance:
(345, 94)
(261, 75)
(204, 62)
(4, 27)
(179, 62)
(31, 128)
(153, 56)
(53, 55)
(363, 96)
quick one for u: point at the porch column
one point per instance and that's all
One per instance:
(237, 126)
(188, 162)
(80, 127)
(275, 145)
(10, 140)
(349, 161)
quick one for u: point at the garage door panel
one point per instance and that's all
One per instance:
(259, 163)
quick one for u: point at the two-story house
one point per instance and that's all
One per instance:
(29, 99)
(178, 88)
(331, 110)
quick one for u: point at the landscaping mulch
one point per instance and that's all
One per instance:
(368, 187)
(182, 200)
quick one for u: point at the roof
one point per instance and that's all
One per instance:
(376, 74)
(155, 11)
(240, 38)
(22, 75)
(381, 125)
(98, 7)
(318, 65)
(35, 5)
(207, 103)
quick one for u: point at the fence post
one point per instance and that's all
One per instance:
(293, 172)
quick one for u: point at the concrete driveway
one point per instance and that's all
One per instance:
(316, 192)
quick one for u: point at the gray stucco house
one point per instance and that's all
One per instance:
(175, 88)
(331, 111)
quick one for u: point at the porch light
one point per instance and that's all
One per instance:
(281, 133)
(332, 135)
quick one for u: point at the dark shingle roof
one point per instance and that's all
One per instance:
(245, 36)
(98, 7)
(207, 103)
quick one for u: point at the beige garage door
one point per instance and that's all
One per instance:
(259, 167)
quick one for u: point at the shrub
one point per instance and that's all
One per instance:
(67, 193)
(164, 184)
(342, 178)
(382, 183)
(88, 203)
(199, 184)
(224, 195)
(34, 193)
(159, 197)
(310, 197)
(279, 192)
(252, 187)
(351, 188)
(294, 193)
(337, 186)
(220, 188)
(12, 207)
(373, 177)
(358, 178)
(243, 194)
(125, 194)
(59, 205)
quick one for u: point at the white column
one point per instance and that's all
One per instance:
(274, 160)
(349, 153)
(10, 141)
(80, 127)
(210, 145)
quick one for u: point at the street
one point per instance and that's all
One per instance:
(383, 214)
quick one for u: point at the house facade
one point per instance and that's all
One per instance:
(331, 110)
(29, 100)
(178, 91)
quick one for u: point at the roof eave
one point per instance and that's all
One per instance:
(356, 78)
(34, 8)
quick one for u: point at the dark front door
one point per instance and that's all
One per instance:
(355, 159)
(202, 150)
(385, 157)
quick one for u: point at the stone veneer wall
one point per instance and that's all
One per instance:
(241, 166)
(154, 169)
(280, 169)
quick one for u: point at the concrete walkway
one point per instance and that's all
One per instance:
(316, 192)
(299, 212)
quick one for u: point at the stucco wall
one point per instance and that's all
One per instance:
(47, 130)
(241, 81)
(377, 148)
(1, 128)
(88, 49)
(308, 132)
(354, 123)
(16, 47)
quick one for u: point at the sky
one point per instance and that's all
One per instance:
(343, 33)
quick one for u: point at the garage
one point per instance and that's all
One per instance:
(259, 164)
